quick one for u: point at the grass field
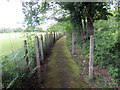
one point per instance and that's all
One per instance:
(10, 42)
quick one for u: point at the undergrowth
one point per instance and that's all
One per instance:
(106, 53)
(16, 73)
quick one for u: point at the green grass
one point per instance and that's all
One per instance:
(10, 42)
(63, 71)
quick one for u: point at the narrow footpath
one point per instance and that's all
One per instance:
(63, 72)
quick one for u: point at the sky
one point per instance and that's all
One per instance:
(11, 15)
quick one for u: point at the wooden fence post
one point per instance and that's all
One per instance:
(54, 37)
(38, 59)
(26, 54)
(73, 43)
(46, 41)
(91, 57)
(51, 39)
(58, 35)
(42, 40)
(41, 49)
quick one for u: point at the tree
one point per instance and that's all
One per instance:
(61, 27)
(83, 14)
(32, 11)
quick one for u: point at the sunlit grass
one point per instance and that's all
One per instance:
(10, 42)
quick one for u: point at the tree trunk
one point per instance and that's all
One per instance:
(90, 16)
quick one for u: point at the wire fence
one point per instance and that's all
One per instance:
(19, 64)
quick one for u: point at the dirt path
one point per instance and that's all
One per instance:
(63, 71)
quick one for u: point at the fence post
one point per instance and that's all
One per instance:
(58, 35)
(38, 59)
(54, 37)
(26, 54)
(41, 49)
(42, 40)
(91, 57)
(73, 43)
(50, 39)
(46, 41)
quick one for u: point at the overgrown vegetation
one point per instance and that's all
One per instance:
(13, 59)
(106, 54)
(99, 20)
(82, 18)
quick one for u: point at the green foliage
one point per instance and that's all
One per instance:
(83, 14)
(113, 71)
(12, 66)
(61, 27)
(106, 46)
(32, 11)
(11, 57)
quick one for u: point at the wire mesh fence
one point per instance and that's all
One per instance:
(20, 64)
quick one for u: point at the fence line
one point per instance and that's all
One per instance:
(49, 41)
(42, 48)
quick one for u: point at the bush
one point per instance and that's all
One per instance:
(106, 53)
